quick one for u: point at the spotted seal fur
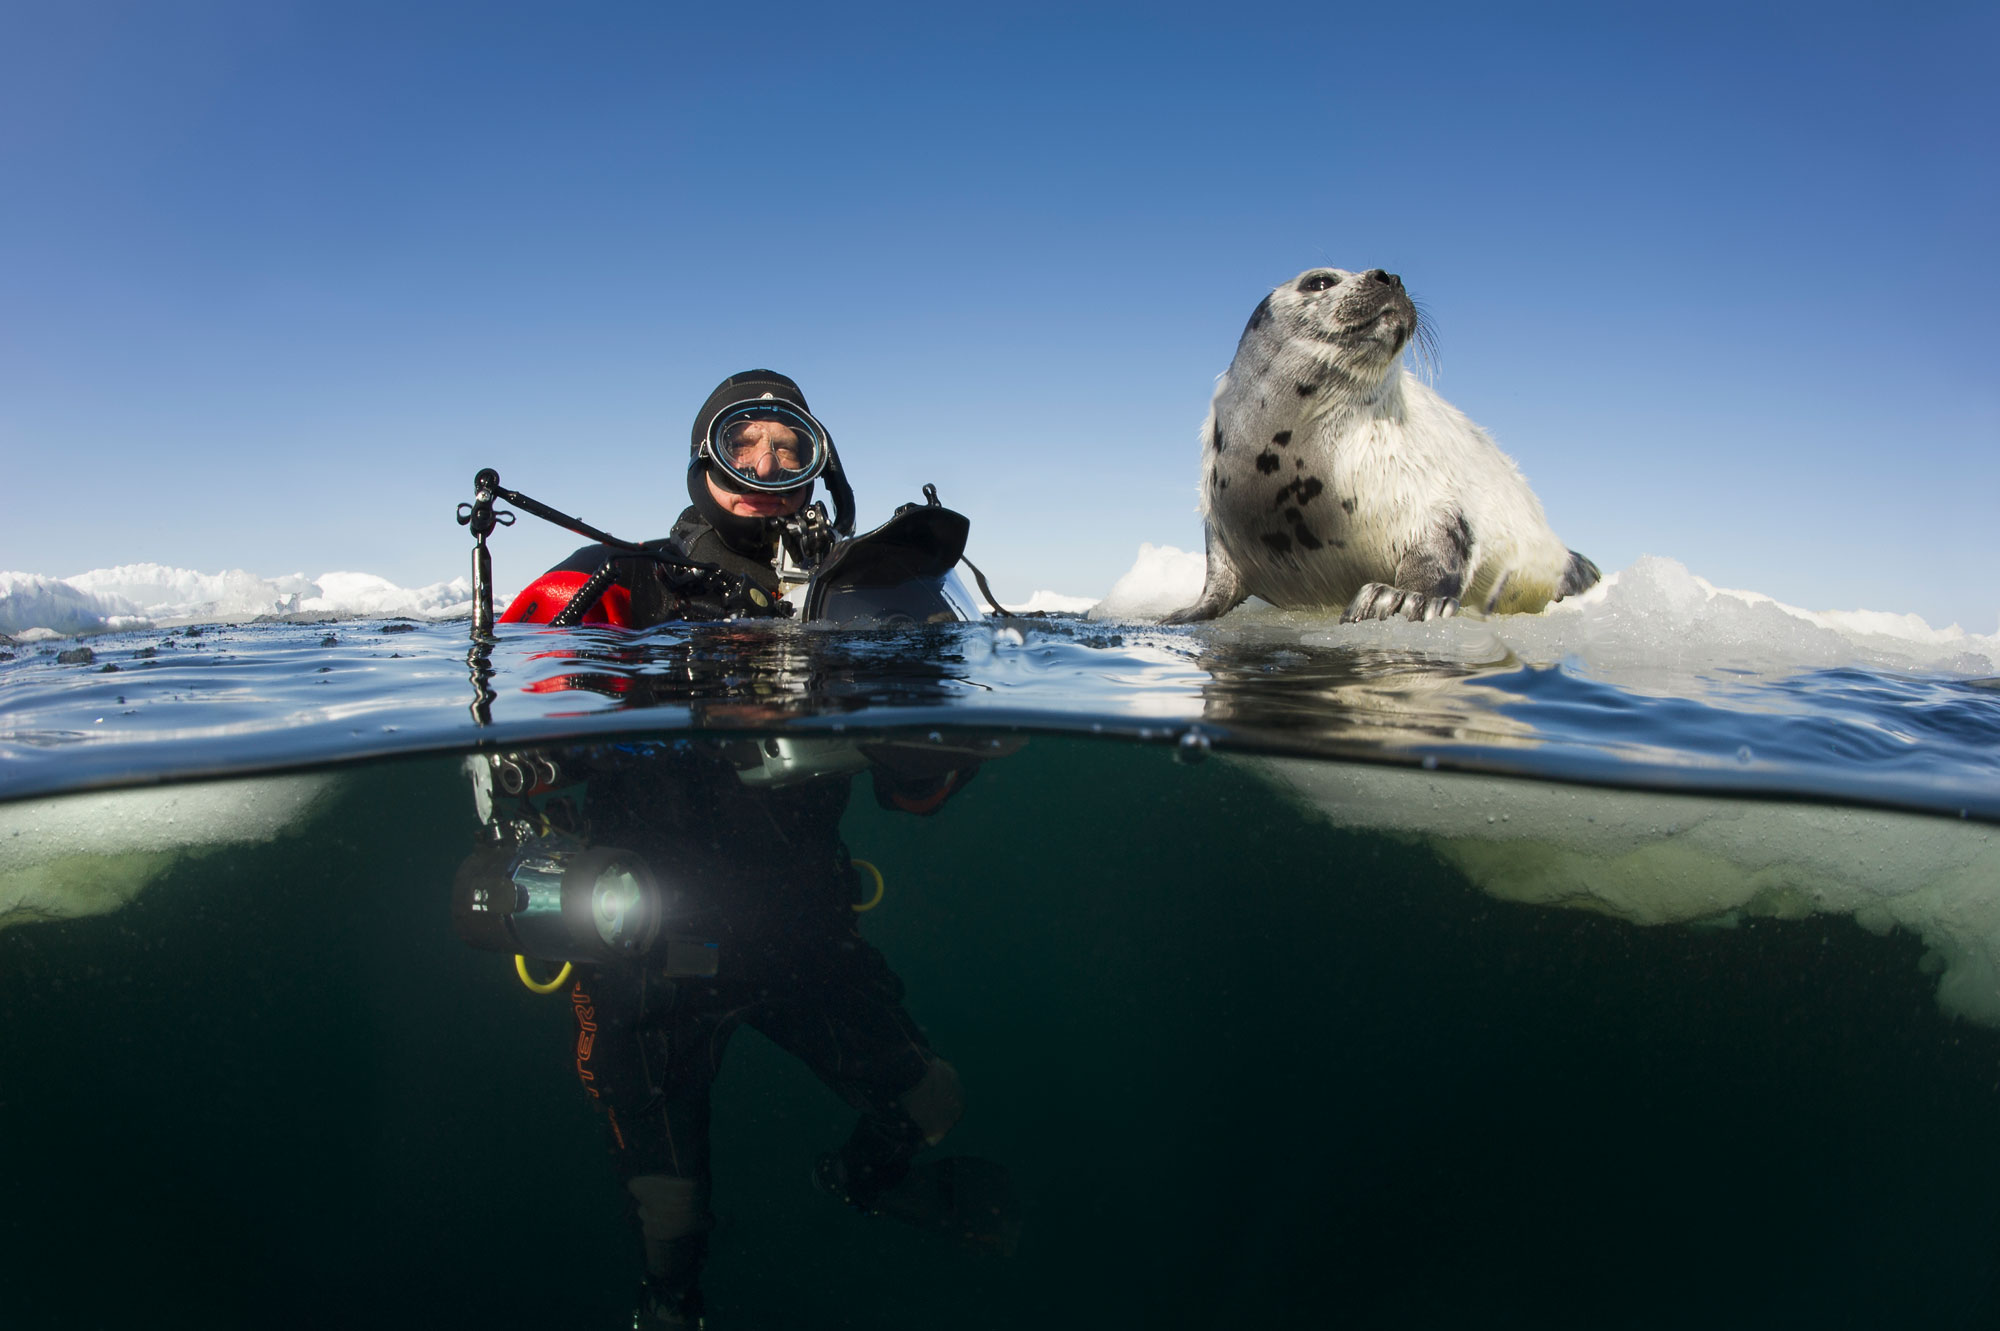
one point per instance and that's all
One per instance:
(1332, 476)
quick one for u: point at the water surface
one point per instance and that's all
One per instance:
(1300, 982)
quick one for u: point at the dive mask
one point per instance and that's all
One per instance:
(765, 445)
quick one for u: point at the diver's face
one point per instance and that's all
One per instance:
(753, 504)
(764, 449)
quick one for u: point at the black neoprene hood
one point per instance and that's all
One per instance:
(741, 388)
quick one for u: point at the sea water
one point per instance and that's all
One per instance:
(1604, 971)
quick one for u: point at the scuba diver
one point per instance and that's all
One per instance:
(755, 454)
(731, 899)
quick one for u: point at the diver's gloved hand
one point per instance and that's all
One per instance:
(960, 1196)
(809, 536)
(715, 595)
(919, 778)
(920, 792)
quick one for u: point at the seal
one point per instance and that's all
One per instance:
(1332, 476)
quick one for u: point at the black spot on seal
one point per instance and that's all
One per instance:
(1267, 462)
(1307, 541)
(1259, 316)
(1219, 444)
(1280, 543)
(1307, 390)
(1303, 490)
(1281, 438)
(1347, 505)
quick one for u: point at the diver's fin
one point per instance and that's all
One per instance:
(960, 1196)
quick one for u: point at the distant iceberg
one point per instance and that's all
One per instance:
(29, 602)
(1054, 603)
(141, 595)
(1161, 580)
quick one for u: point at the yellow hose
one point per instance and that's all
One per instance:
(521, 969)
(880, 886)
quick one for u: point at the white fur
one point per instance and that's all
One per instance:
(1373, 434)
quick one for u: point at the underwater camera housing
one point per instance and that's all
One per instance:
(899, 574)
(558, 900)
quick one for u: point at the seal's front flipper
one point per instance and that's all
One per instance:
(1221, 592)
(968, 1199)
(1378, 600)
(1580, 575)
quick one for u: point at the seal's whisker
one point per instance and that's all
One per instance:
(1424, 347)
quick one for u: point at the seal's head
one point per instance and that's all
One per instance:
(1355, 323)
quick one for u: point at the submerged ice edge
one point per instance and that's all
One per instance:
(1650, 854)
(1652, 858)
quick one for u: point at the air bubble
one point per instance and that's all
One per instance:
(1192, 748)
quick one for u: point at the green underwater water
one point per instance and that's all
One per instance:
(1248, 1069)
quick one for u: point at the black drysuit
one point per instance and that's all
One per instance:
(762, 875)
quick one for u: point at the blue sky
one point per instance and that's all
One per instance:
(275, 279)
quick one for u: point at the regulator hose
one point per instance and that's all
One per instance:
(880, 887)
(521, 969)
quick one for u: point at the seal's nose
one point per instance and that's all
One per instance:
(1386, 279)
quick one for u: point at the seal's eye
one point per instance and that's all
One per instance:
(1318, 281)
